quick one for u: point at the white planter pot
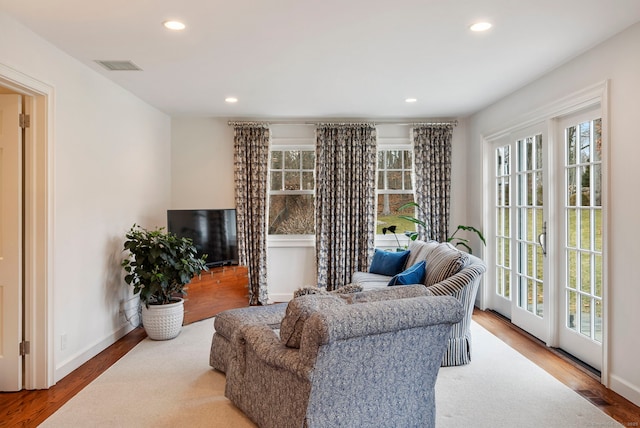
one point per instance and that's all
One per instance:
(163, 322)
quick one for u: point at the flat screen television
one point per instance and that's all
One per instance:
(213, 233)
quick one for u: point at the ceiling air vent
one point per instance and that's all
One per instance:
(119, 65)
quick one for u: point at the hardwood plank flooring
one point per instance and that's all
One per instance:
(30, 408)
(576, 377)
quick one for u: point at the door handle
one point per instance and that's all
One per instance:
(542, 239)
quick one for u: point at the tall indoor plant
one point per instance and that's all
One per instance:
(158, 266)
(453, 239)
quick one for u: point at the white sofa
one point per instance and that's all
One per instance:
(449, 272)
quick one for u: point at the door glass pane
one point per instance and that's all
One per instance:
(583, 245)
(585, 229)
(597, 185)
(502, 215)
(585, 273)
(572, 262)
(597, 291)
(597, 140)
(585, 315)
(572, 187)
(585, 142)
(570, 136)
(598, 321)
(572, 317)
(530, 217)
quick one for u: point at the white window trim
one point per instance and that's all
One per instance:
(381, 240)
(279, 241)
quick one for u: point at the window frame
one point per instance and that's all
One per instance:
(389, 240)
(292, 240)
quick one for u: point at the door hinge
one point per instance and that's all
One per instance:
(25, 120)
(25, 348)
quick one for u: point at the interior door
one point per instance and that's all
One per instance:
(10, 243)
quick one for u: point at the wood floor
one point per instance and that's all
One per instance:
(31, 408)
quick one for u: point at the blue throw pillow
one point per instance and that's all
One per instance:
(388, 262)
(413, 275)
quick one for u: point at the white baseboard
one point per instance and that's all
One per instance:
(75, 361)
(624, 388)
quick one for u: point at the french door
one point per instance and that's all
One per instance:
(580, 279)
(546, 244)
(519, 230)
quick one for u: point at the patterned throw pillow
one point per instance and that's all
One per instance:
(388, 262)
(413, 275)
(443, 262)
(298, 312)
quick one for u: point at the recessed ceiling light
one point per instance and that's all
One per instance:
(231, 100)
(174, 25)
(480, 26)
(411, 100)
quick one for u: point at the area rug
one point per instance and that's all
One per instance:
(170, 384)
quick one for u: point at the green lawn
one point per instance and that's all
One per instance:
(584, 270)
(402, 225)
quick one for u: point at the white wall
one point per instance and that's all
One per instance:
(617, 60)
(110, 158)
(201, 164)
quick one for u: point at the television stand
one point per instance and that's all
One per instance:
(216, 290)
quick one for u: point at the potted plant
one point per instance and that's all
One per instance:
(392, 229)
(455, 240)
(158, 266)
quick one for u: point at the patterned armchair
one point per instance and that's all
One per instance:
(365, 364)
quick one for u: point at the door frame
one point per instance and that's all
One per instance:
(38, 221)
(588, 97)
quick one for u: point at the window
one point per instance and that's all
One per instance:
(394, 188)
(291, 191)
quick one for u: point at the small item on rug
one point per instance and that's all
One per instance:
(309, 289)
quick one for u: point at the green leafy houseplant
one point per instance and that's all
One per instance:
(392, 229)
(455, 240)
(159, 264)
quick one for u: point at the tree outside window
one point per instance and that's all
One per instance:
(291, 194)
(394, 188)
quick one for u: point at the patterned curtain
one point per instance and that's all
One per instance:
(432, 162)
(251, 162)
(345, 201)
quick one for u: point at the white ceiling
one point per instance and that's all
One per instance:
(325, 58)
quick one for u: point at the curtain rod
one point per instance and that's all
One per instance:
(453, 123)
